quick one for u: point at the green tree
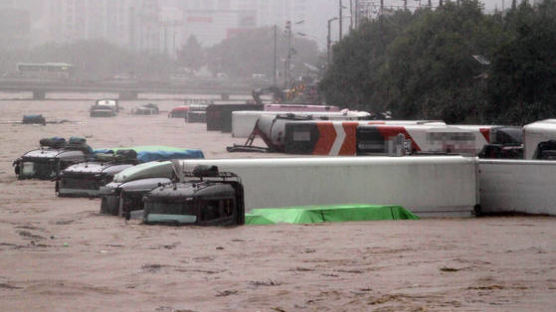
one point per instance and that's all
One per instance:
(522, 87)
(353, 79)
(431, 69)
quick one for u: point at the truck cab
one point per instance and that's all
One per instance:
(205, 197)
(537, 137)
(53, 156)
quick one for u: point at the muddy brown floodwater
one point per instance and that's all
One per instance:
(60, 254)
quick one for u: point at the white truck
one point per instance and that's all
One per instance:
(537, 137)
(517, 186)
(428, 186)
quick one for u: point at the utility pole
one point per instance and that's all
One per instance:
(356, 14)
(340, 15)
(329, 40)
(289, 55)
(275, 50)
(350, 15)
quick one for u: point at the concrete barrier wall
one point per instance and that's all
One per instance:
(428, 186)
(523, 186)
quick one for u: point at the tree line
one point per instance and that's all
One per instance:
(453, 63)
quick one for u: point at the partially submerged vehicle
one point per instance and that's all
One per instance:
(537, 137)
(298, 133)
(179, 112)
(160, 193)
(205, 196)
(86, 179)
(146, 109)
(125, 192)
(219, 116)
(504, 142)
(33, 119)
(105, 108)
(361, 180)
(196, 113)
(423, 185)
(54, 155)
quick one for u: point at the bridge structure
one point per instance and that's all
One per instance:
(125, 90)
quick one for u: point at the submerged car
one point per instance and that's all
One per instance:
(105, 108)
(196, 113)
(86, 179)
(54, 155)
(179, 112)
(146, 109)
(33, 119)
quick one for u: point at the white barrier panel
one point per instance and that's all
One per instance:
(523, 186)
(428, 186)
(243, 122)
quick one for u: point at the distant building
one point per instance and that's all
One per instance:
(14, 28)
(71, 20)
(211, 21)
(16, 21)
(146, 25)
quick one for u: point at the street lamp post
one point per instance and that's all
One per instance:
(289, 33)
(340, 17)
(329, 40)
(274, 58)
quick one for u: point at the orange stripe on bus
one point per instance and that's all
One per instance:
(486, 133)
(349, 145)
(327, 136)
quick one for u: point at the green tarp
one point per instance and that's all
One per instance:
(330, 213)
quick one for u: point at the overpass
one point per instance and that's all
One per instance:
(126, 90)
